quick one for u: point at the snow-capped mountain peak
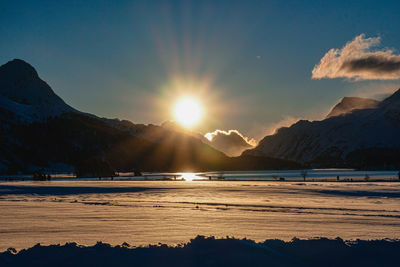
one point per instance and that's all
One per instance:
(25, 95)
(356, 137)
(348, 104)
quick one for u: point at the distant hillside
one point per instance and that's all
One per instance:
(39, 130)
(363, 138)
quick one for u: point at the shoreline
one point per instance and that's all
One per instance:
(141, 179)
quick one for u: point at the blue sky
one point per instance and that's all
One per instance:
(250, 62)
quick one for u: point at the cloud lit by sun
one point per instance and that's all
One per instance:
(188, 112)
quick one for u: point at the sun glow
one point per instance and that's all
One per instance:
(188, 112)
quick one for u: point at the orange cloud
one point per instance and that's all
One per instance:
(357, 61)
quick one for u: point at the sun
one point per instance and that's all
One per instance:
(188, 112)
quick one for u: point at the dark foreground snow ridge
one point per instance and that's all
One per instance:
(210, 251)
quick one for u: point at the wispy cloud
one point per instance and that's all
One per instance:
(231, 142)
(376, 90)
(358, 61)
(285, 122)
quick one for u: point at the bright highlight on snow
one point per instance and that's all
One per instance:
(188, 176)
(188, 112)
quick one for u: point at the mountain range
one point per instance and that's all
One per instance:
(357, 133)
(39, 130)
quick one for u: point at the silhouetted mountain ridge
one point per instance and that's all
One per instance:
(39, 130)
(27, 97)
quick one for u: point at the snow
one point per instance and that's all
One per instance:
(173, 212)
(336, 136)
(203, 251)
(349, 104)
(27, 96)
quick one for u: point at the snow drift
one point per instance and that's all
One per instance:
(209, 251)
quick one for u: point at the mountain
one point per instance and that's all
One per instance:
(348, 104)
(38, 130)
(26, 96)
(362, 138)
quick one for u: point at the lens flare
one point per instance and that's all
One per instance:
(188, 112)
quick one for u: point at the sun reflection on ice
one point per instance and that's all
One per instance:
(188, 176)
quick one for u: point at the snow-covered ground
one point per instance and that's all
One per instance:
(172, 212)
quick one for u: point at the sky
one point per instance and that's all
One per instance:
(250, 63)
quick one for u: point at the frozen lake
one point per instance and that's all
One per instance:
(143, 212)
(271, 175)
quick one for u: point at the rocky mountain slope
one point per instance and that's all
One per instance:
(362, 138)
